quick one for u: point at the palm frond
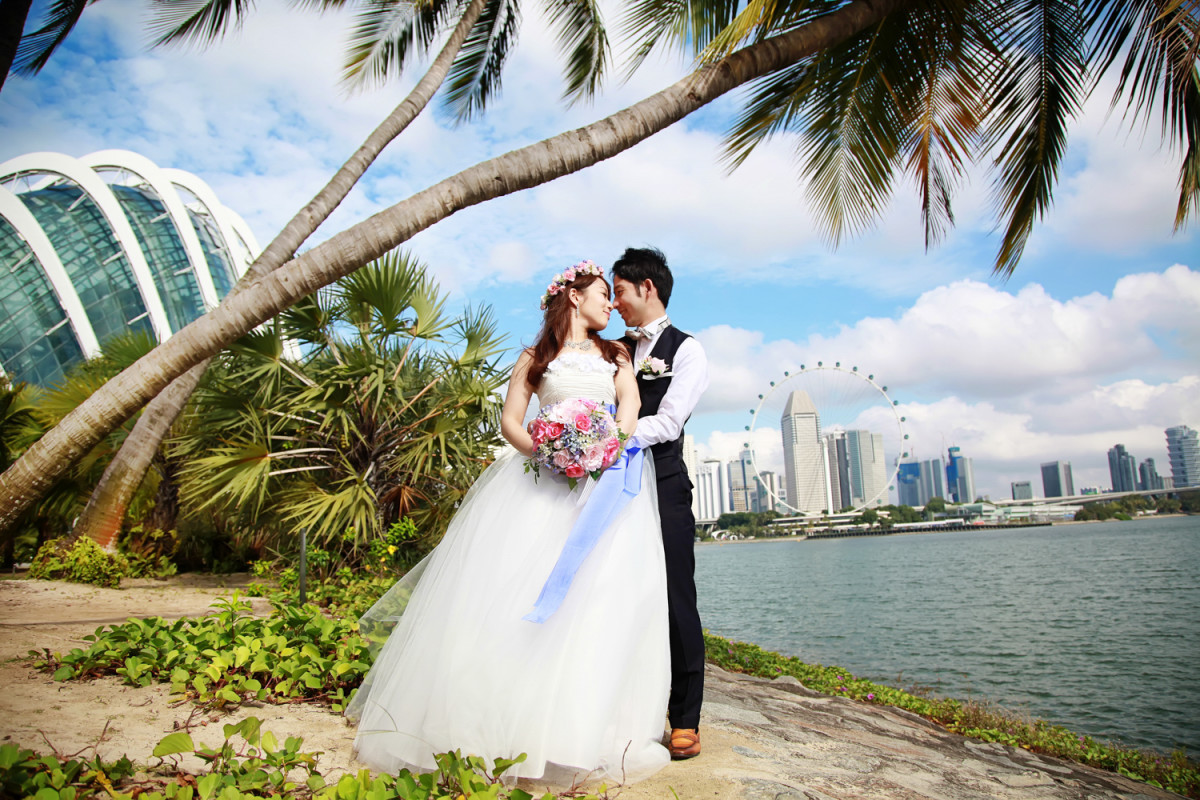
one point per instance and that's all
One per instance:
(35, 48)
(1035, 99)
(849, 127)
(584, 40)
(1160, 40)
(947, 108)
(475, 75)
(477, 332)
(236, 475)
(688, 25)
(427, 303)
(310, 320)
(377, 296)
(387, 33)
(196, 22)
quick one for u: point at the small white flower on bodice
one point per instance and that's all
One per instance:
(578, 375)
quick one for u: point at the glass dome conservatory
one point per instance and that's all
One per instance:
(110, 242)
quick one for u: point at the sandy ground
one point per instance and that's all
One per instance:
(112, 719)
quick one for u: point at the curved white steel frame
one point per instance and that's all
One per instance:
(21, 218)
(892, 404)
(239, 240)
(75, 171)
(163, 187)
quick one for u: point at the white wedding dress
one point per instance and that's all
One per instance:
(583, 695)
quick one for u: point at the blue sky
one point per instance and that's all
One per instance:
(1095, 340)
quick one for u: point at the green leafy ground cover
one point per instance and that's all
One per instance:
(227, 658)
(251, 763)
(978, 720)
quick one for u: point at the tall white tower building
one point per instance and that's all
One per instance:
(805, 472)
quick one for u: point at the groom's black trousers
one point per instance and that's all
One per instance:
(687, 637)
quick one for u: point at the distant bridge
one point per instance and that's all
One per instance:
(1080, 499)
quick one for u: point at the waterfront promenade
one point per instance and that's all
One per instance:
(762, 739)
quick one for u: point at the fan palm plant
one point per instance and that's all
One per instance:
(390, 413)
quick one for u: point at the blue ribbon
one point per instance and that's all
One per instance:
(619, 484)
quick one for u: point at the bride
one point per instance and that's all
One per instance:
(584, 694)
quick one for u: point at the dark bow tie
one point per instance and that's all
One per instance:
(648, 332)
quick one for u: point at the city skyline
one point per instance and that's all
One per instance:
(1094, 340)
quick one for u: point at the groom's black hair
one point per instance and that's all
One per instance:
(640, 264)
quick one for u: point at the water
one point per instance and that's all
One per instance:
(1093, 627)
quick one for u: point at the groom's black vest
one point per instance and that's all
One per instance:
(668, 456)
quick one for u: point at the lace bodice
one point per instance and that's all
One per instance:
(578, 375)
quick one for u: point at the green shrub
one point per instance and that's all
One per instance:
(80, 560)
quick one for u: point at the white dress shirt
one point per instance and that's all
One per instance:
(689, 370)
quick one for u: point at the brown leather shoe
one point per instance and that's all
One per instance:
(684, 743)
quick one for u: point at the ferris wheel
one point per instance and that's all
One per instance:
(819, 442)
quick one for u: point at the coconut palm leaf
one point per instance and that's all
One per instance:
(388, 33)
(1160, 41)
(1034, 100)
(475, 76)
(196, 22)
(35, 48)
(691, 25)
(584, 41)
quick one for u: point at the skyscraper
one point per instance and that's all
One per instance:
(1022, 490)
(1122, 467)
(838, 467)
(712, 489)
(693, 468)
(931, 480)
(960, 476)
(743, 483)
(770, 492)
(1183, 451)
(868, 468)
(908, 483)
(803, 461)
(1057, 480)
(1148, 478)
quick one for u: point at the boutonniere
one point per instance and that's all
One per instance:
(653, 369)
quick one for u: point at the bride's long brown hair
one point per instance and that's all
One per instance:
(556, 325)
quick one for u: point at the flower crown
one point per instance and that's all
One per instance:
(566, 276)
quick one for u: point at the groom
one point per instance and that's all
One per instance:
(641, 290)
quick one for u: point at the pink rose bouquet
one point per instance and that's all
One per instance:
(575, 438)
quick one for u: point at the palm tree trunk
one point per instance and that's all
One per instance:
(102, 517)
(347, 251)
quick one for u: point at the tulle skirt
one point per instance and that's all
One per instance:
(583, 695)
